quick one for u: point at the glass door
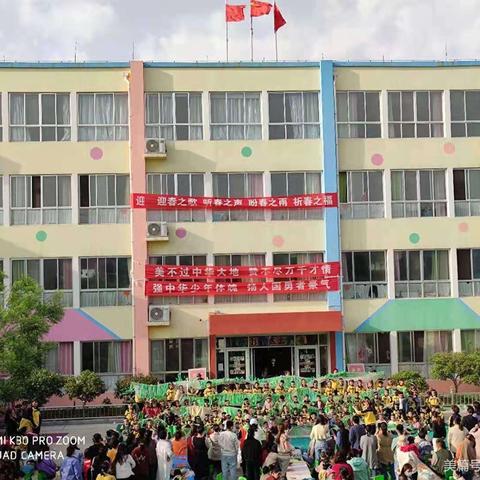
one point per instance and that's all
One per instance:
(307, 361)
(237, 363)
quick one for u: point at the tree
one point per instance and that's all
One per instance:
(412, 379)
(86, 387)
(24, 322)
(458, 367)
(123, 387)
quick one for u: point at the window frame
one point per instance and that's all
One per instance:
(350, 124)
(244, 123)
(40, 125)
(467, 207)
(469, 287)
(376, 349)
(192, 215)
(171, 375)
(66, 293)
(94, 294)
(419, 205)
(96, 355)
(37, 215)
(465, 123)
(352, 209)
(359, 289)
(174, 125)
(286, 124)
(415, 123)
(475, 340)
(421, 282)
(98, 214)
(96, 126)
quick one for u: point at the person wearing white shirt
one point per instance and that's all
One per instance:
(229, 445)
(123, 464)
(164, 456)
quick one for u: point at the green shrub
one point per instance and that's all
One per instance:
(412, 379)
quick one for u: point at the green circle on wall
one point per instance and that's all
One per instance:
(247, 152)
(41, 235)
(414, 237)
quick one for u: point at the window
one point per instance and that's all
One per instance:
(102, 116)
(358, 114)
(466, 190)
(178, 260)
(468, 265)
(105, 281)
(173, 356)
(419, 193)
(235, 116)
(421, 273)
(293, 115)
(189, 184)
(59, 359)
(39, 117)
(361, 194)
(174, 116)
(107, 357)
(368, 348)
(364, 275)
(297, 259)
(470, 340)
(465, 113)
(36, 199)
(237, 185)
(104, 198)
(296, 183)
(52, 274)
(415, 114)
(418, 347)
(253, 259)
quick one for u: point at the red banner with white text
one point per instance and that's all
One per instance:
(174, 272)
(181, 202)
(190, 289)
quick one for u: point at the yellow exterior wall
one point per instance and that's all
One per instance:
(356, 312)
(189, 321)
(231, 79)
(65, 241)
(225, 156)
(117, 319)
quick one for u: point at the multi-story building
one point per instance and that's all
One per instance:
(395, 141)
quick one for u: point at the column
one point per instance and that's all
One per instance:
(330, 172)
(394, 352)
(73, 118)
(206, 115)
(141, 343)
(76, 279)
(208, 186)
(457, 340)
(390, 274)
(264, 113)
(77, 358)
(75, 179)
(4, 120)
(447, 126)
(340, 351)
(384, 113)
(453, 267)
(387, 192)
(210, 262)
(6, 199)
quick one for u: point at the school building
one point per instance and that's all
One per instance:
(397, 143)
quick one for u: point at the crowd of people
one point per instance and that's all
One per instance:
(356, 429)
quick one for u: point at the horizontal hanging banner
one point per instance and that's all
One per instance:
(179, 202)
(191, 289)
(174, 272)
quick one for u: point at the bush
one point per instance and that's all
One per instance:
(123, 388)
(412, 379)
(86, 387)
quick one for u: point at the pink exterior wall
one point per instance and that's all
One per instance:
(141, 351)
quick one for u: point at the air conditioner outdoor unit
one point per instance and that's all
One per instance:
(157, 229)
(155, 146)
(87, 273)
(159, 314)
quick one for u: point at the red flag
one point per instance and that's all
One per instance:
(234, 13)
(278, 20)
(257, 8)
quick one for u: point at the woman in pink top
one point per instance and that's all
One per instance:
(341, 470)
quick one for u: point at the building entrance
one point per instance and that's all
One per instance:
(272, 362)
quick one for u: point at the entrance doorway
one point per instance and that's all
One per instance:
(272, 362)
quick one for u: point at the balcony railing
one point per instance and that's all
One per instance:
(41, 216)
(362, 210)
(364, 290)
(67, 296)
(96, 215)
(419, 209)
(469, 288)
(105, 298)
(422, 289)
(467, 208)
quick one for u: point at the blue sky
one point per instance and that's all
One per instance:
(186, 30)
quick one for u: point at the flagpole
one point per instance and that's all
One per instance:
(251, 37)
(226, 30)
(276, 47)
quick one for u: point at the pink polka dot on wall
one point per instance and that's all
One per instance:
(449, 148)
(377, 159)
(96, 153)
(180, 232)
(278, 240)
(463, 227)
